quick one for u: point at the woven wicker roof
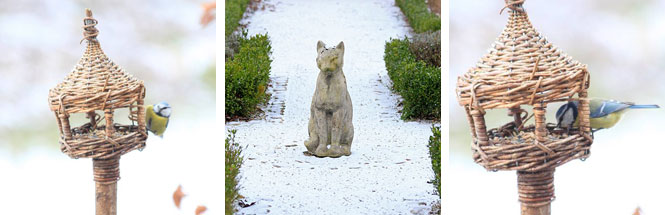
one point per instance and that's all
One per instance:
(507, 76)
(96, 82)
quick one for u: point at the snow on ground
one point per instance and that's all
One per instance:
(389, 168)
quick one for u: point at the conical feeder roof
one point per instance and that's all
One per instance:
(522, 67)
(96, 82)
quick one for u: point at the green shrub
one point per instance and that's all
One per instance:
(231, 169)
(419, 17)
(233, 12)
(418, 83)
(247, 75)
(435, 153)
(427, 47)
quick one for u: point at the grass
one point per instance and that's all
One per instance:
(416, 81)
(231, 169)
(419, 17)
(247, 75)
(434, 146)
(233, 12)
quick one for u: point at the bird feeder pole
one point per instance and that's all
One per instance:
(107, 173)
(96, 84)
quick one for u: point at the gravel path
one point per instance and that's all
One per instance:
(389, 168)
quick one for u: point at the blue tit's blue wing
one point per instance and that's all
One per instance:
(608, 107)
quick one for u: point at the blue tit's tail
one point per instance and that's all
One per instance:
(643, 106)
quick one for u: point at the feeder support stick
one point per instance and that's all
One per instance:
(107, 174)
(536, 191)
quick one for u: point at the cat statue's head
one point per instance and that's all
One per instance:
(329, 59)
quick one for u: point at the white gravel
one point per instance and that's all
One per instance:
(389, 168)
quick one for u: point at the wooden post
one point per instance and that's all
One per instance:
(107, 174)
(540, 210)
(536, 191)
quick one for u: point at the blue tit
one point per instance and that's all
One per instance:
(603, 113)
(157, 118)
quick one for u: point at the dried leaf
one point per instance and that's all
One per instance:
(261, 89)
(209, 12)
(638, 211)
(200, 209)
(177, 196)
(244, 205)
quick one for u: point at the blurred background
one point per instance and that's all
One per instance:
(160, 42)
(622, 44)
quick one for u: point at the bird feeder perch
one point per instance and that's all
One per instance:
(97, 85)
(524, 68)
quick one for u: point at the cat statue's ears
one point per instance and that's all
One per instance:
(340, 46)
(320, 45)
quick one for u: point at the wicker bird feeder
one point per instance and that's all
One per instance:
(97, 85)
(523, 68)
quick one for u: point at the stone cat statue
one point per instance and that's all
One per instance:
(330, 123)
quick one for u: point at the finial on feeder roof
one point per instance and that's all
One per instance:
(90, 32)
(515, 5)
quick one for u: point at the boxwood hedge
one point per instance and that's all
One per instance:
(420, 18)
(234, 9)
(247, 75)
(416, 81)
(233, 161)
(434, 146)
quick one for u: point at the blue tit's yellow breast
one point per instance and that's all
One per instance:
(606, 121)
(155, 123)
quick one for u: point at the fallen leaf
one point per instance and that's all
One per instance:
(638, 211)
(177, 196)
(244, 205)
(200, 209)
(208, 12)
